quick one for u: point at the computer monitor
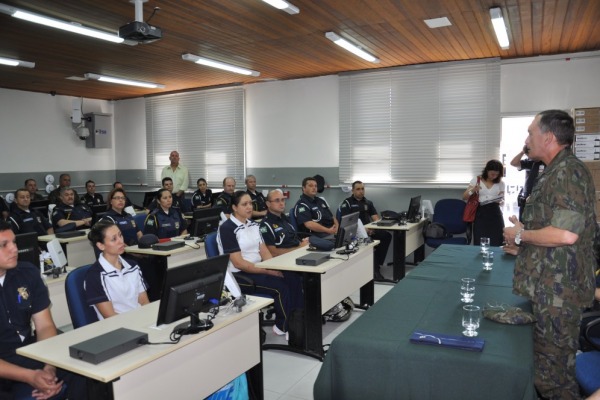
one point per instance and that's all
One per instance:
(98, 216)
(347, 229)
(148, 197)
(205, 221)
(99, 208)
(412, 215)
(191, 289)
(40, 205)
(29, 249)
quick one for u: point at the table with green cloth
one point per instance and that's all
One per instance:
(373, 358)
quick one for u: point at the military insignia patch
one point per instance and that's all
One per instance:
(23, 293)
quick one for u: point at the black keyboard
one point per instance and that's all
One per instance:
(70, 234)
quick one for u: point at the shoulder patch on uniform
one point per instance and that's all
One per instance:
(263, 229)
(150, 221)
(301, 209)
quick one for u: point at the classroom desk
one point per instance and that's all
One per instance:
(373, 357)
(406, 239)
(324, 286)
(173, 258)
(192, 369)
(78, 250)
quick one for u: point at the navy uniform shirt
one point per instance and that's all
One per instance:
(126, 224)
(259, 203)
(176, 204)
(364, 207)
(278, 231)
(94, 200)
(22, 295)
(224, 203)
(72, 213)
(199, 199)
(164, 225)
(315, 209)
(22, 221)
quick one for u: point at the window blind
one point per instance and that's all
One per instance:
(205, 127)
(421, 126)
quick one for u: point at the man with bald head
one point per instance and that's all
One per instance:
(224, 200)
(178, 173)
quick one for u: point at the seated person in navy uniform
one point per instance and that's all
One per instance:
(128, 203)
(313, 213)
(66, 211)
(259, 203)
(165, 221)
(91, 198)
(123, 220)
(3, 208)
(31, 186)
(25, 306)
(167, 183)
(224, 200)
(113, 284)
(359, 203)
(63, 181)
(240, 237)
(202, 198)
(277, 231)
(24, 220)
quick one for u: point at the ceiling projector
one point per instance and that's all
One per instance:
(140, 32)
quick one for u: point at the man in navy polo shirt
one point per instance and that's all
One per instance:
(277, 231)
(313, 213)
(24, 220)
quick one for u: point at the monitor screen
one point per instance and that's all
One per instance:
(29, 250)
(97, 217)
(347, 229)
(148, 197)
(205, 221)
(99, 208)
(191, 289)
(40, 205)
(412, 215)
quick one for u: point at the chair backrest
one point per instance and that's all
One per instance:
(292, 216)
(210, 245)
(449, 212)
(140, 219)
(81, 313)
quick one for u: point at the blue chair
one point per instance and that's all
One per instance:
(210, 245)
(587, 371)
(140, 219)
(449, 212)
(292, 217)
(81, 313)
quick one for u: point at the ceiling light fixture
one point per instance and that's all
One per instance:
(56, 23)
(283, 5)
(218, 64)
(120, 81)
(499, 27)
(16, 63)
(352, 48)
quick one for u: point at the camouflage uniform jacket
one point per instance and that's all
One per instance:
(564, 197)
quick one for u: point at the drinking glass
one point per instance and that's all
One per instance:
(470, 320)
(485, 244)
(467, 290)
(488, 260)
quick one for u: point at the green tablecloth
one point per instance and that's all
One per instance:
(374, 359)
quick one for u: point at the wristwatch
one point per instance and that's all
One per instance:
(518, 237)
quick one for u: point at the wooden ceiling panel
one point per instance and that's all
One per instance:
(254, 35)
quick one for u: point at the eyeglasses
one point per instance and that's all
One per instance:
(118, 198)
(282, 200)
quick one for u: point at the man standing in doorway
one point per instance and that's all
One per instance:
(555, 257)
(178, 173)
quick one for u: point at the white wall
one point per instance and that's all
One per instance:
(37, 134)
(293, 123)
(130, 142)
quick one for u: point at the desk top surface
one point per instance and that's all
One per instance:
(189, 245)
(55, 351)
(406, 227)
(47, 238)
(287, 261)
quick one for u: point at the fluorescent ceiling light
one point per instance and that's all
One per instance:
(16, 63)
(56, 23)
(217, 64)
(351, 47)
(120, 81)
(499, 27)
(283, 5)
(437, 22)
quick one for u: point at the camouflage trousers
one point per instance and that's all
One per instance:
(556, 339)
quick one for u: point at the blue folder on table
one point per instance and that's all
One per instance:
(445, 340)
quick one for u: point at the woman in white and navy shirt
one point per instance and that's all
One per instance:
(240, 237)
(113, 285)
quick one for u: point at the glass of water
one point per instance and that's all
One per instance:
(488, 260)
(470, 320)
(467, 290)
(484, 242)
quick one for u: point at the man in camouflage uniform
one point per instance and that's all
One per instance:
(555, 262)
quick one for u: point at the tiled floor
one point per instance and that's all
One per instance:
(288, 376)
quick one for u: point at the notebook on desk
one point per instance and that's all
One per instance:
(69, 234)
